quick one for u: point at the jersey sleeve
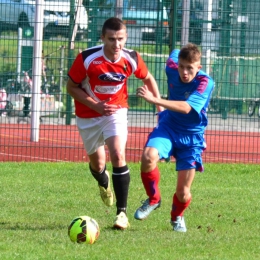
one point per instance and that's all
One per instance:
(174, 55)
(142, 70)
(77, 72)
(172, 61)
(200, 97)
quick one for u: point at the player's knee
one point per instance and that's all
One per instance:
(183, 195)
(150, 156)
(117, 158)
(96, 166)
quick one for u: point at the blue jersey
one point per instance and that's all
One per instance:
(196, 93)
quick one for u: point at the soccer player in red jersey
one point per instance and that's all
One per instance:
(98, 83)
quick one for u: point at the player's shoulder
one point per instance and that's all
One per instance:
(204, 81)
(172, 61)
(90, 51)
(174, 55)
(202, 74)
(130, 54)
(127, 50)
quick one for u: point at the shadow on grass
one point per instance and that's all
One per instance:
(20, 226)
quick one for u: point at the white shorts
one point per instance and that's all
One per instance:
(94, 131)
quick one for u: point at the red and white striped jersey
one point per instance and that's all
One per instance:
(102, 79)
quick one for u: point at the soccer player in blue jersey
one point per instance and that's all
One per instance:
(179, 132)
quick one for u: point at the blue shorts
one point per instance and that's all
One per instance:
(186, 148)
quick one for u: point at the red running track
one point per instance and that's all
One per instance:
(63, 143)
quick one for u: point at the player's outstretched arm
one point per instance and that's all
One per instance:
(177, 106)
(150, 82)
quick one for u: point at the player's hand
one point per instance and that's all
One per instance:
(145, 93)
(104, 108)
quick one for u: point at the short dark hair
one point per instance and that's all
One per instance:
(190, 52)
(114, 24)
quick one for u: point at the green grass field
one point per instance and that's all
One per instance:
(38, 201)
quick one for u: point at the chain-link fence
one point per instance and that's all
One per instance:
(226, 31)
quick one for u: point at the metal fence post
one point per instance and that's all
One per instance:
(226, 16)
(70, 60)
(173, 25)
(92, 23)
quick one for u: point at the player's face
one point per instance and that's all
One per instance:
(188, 70)
(114, 42)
